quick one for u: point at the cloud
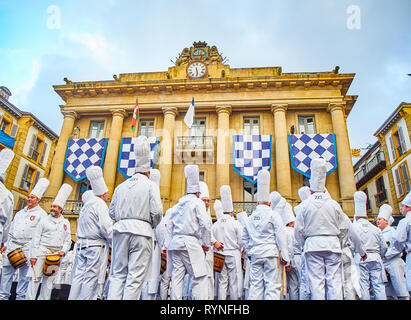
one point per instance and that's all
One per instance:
(21, 93)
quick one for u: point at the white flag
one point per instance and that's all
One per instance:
(189, 117)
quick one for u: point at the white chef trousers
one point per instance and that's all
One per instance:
(265, 280)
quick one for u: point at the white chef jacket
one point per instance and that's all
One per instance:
(136, 206)
(6, 211)
(51, 233)
(402, 237)
(318, 223)
(264, 233)
(25, 222)
(228, 231)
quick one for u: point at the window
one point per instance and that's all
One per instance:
(21, 204)
(5, 125)
(84, 185)
(35, 148)
(251, 126)
(29, 178)
(250, 191)
(306, 181)
(202, 176)
(368, 199)
(381, 195)
(398, 182)
(198, 129)
(146, 128)
(405, 177)
(393, 153)
(399, 142)
(96, 129)
(306, 124)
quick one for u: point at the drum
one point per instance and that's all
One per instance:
(243, 265)
(17, 258)
(51, 264)
(218, 261)
(163, 266)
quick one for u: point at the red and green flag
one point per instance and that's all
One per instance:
(136, 114)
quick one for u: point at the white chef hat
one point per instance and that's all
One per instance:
(385, 212)
(155, 176)
(218, 208)
(275, 198)
(242, 217)
(95, 176)
(287, 214)
(304, 193)
(407, 200)
(87, 195)
(6, 156)
(40, 187)
(192, 174)
(263, 186)
(360, 202)
(318, 174)
(62, 195)
(142, 153)
(226, 199)
(204, 190)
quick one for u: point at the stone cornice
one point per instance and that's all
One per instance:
(223, 109)
(170, 110)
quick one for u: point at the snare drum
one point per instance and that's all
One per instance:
(163, 266)
(218, 261)
(51, 264)
(17, 258)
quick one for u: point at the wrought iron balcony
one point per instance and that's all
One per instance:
(194, 149)
(73, 207)
(195, 143)
(246, 206)
(376, 165)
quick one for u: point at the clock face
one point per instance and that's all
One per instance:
(196, 70)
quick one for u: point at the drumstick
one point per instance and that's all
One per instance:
(284, 281)
(35, 274)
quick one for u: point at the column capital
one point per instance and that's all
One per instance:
(170, 110)
(335, 106)
(223, 109)
(279, 107)
(119, 113)
(70, 114)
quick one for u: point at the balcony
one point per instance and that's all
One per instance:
(73, 207)
(376, 165)
(194, 150)
(248, 207)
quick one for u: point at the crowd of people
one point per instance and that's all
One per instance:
(132, 250)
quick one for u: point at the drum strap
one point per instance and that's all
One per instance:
(20, 243)
(92, 246)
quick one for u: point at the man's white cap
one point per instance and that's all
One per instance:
(87, 195)
(318, 174)
(62, 195)
(304, 193)
(226, 199)
(40, 187)
(6, 156)
(360, 202)
(204, 190)
(192, 174)
(218, 208)
(275, 198)
(242, 217)
(142, 153)
(95, 176)
(385, 212)
(263, 185)
(407, 200)
(155, 176)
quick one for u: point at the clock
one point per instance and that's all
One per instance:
(196, 69)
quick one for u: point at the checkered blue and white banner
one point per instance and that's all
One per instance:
(81, 154)
(305, 147)
(127, 159)
(251, 153)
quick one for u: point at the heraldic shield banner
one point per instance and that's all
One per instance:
(305, 147)
(83, 153)
(127, 159)
(251, 153)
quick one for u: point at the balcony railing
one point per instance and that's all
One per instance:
(73, 207)
(195, 142)
(373, 167)
(248, 207)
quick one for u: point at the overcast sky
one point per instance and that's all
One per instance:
(41, 42)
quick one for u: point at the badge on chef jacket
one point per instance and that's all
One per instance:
(32, 218)
(65, 227)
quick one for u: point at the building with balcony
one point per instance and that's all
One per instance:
(33, 144)
(245, 119)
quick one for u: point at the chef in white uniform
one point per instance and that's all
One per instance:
(264, 238)
(190, 237)
(228, 231)
(396, 287)
(401, 239)
(317, 228)
(137, 209)
(94, 236)
(6, 198)
(21, 232)
(52, 236)
(372, 274)
(245, 262)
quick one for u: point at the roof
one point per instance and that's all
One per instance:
(391, 119)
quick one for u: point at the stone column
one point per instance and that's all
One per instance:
(167, 151)
(282, 157)
(57, 166)
(113, 148)
(345, 167)
(223, 148)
